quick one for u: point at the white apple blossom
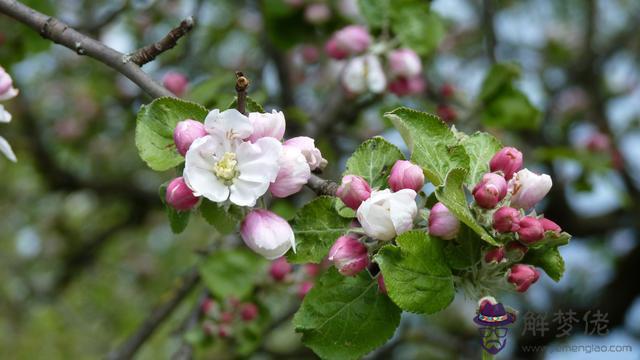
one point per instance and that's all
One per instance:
(528, 188)
(387, 214)
(364, 73)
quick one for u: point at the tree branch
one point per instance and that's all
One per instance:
(150, 52)
(321, 186)
(61, 33)
(242, 84)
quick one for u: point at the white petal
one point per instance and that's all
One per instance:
(403, 209)
(258, 162)
(354, 76)
(5, 116)
(198, 174)
(246, 193)
(13, 92)
(376, 80)
(5, 148)
(229, 124)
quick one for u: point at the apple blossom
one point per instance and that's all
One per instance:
(308, 148)
(353, 191)
(495, 255)
(522, 276)
(349, 255)
(267, 234)
(179, 196)
(405, 63)
(222, 167)
(351, 40)
(5, 148)
(317, 13)
(406, 175)
(442, 222)
(175, 82)
(186, 132)
(267, 125)
(334, 51)
(293, 174)
(387, 214)
(506, 219)
(364, 73)
(490, 190)
(508, 160)
(531, 230)
(7, 91)
(403, 86)
(279, 269)
(549, 225)
(528, 188)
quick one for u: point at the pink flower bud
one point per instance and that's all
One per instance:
(186, 132)
(549, 225)
(312, 270)
(381, 285)
(528, 188)
(406, 175)
(490, 190)
(317, 13)
(248, 311)
(506, 219)
(335, 52)
(308, 148)
(209, 328)
(515, 250)
(446, 113)
(403, 86)
(226, 317)
(405, 63)
(267, 125)
(349, 255)
(495, 255)
(508, 160)
(179, 196)
(267, 234)
(175, 82)
(304, 288)
(7, 91)
(279, 269)
(531, 230)
(442, 222)
(353, 191)
(447, 90)
(293, 174)
(351, 40)
(597, 142)
(522, 276)
(207, 306)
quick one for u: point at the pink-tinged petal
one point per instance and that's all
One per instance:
(229, 124)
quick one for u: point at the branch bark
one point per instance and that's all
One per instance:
(150, 52)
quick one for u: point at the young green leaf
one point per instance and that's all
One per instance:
(480, 147)
(373, 160)
(416, 26)
(416, 274)
(464, 251)
(345, 317)
(433, 145)
(374, 11)
(232, 272)
(549, 259)
(154, 130)
(225, 221)
(316, 227)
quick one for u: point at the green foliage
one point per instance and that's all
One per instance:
(552, 239)
(374, 11)
(452, 195)
(549, 259)
(154, 130)
(433, 145)
(373, 160)
(232, 272)
(316, 227)
(480, 147)
(178, 220)
(416, 274)
(224, 220)
(346, 317)
(464, 250)
(503, 104)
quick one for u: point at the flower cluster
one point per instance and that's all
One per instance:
(7, 91)
(364, 69)
(301, 277)
(236, 159)
(226, 318)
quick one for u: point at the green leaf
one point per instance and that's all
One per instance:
(345, 317)
(499, 77)
(416, 26)
(549, 259)
(551, 239)
(373, 160)
(433, 145)
(416, 274)
(451, 194)
(343, 210)
(178, 220)
(252, 105)
(232, 272)
(480, 147)
(316, 227)
(464, 251)
(374, 11)
(154, 130)
(224, 220)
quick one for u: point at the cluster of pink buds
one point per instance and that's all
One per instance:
(301, 277)
(223, 319)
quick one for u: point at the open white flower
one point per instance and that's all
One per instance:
(5, 148)
(387, 214)
(222, 167)
(364, 73)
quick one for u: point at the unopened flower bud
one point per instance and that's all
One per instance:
(293, 174)
(549, 225)
(208, 306)
(381, 285)
(317, 13)
(279, 269)
(312, 270)
(209, 328)
(406, 175)
(403, 86)
(349, 255)
(310, 54)
(490, 190)
(227, 317)
(267, 234)
(267, 125)
(179, 196)
(528, 188)
(353, 39)
(598, 142)
(508, 160)
(304, 288)
(495, 255)
(387, 214)
(515, 250)
(334, 51)
(404, 62)
(522, 276)
(446, 113)
(7, 91)
(224, 331)
(353, 191)
(531, 230)
(308, 148)
(175, 82)
(186, 132)
(442, 222)
(447, 90)
(506, 219)
(248, 311)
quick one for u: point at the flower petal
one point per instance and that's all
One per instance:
(198, 174)
(229, 124)
(246, 193)
(258, 162)
(5, 116)
(5, 148)
(403, 209)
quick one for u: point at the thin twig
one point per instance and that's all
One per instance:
(321, 186)
(489, 30)
(242, 84)
(150, 52)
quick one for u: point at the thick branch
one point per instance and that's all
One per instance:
(150, 52)
(60, 33)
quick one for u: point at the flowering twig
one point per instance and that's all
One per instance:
(150, 52)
